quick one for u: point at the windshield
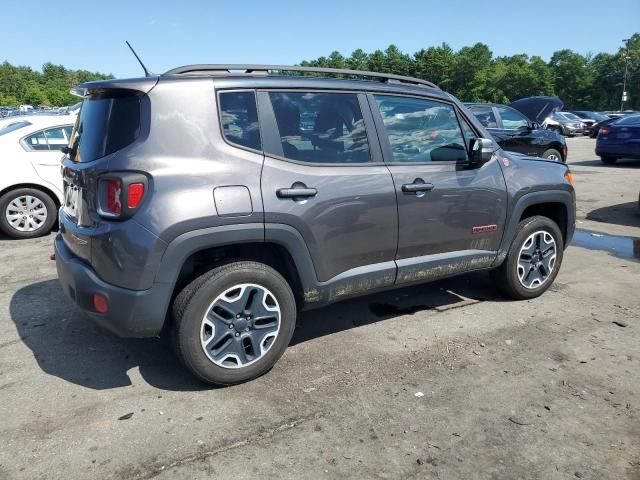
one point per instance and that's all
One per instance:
(598, 117)
(13, 127)
(570, 116)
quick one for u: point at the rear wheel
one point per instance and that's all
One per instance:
(552, 154)
(233, 323)
(608, 160)
(533, 261)
(26, 213)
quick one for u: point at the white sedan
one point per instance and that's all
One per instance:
(30, 179)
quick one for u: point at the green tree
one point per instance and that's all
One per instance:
(436, 64)
(573, 78)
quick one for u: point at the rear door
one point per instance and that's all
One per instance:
(46, 156)
(450, 216)
(324, 176)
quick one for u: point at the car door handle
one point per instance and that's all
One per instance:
(296, 192)
(417, 187)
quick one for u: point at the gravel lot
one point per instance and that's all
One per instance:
(543, 389)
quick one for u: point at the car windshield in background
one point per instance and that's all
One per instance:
(571, 116)
(598, 117)
(105, 125)
(13, 127)
(628, 120)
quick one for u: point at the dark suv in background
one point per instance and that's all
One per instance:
(215, 202)
(520, 132)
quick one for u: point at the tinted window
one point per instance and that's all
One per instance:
(106, 124)
(512, 119)
(239, 117)
(37, 141)
(321, 127)
(485, 116)
(421, 130)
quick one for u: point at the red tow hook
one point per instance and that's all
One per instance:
(52, 256)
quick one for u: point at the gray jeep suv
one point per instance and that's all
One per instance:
(214, 202)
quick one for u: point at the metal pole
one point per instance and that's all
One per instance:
(624, 80)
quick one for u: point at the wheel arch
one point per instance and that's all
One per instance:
(558, 205)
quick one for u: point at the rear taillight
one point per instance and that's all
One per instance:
(120, 194)
(604, 131)
(135, 194)
(114, 196)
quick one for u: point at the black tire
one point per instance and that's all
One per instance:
(193, 302)
(608, 160)
(506, 276)
(552, 152)
(44, 201)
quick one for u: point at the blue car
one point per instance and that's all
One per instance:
(620, 139)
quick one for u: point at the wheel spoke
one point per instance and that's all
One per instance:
(536, 259)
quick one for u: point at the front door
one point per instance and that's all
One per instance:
(451, 216)
(324, 177)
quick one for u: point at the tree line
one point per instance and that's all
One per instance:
(23, 85)
(473, 74)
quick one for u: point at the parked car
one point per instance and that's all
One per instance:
(589, 118)
(566, 123)
(595, 128)
(619, 139)
(246, 197)
(516, 132)
(30, 180)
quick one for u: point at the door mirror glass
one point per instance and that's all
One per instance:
(482, 149)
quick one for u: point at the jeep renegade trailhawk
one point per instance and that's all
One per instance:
(215, 201)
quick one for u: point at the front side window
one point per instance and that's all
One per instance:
(320, 127)
(239, 117)
(421, 130)
(511, 119)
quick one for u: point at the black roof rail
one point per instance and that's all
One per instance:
(265, 69)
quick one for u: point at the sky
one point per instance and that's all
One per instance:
(90, 34)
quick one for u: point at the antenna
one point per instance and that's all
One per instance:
(147, 73)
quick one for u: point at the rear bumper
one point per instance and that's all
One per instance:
(131, 313)
(617, 150)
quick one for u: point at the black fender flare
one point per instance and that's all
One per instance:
(565, 197)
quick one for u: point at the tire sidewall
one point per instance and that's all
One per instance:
(552, 151)
(189, 329)
(47, 201)
(528, 227)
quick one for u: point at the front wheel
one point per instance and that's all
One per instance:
(26, 213)
(533, 261)
(233, 323)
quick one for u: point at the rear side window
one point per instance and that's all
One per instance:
(50, 139)
(239, 117)
(485, 116)
(108, 121)
(321, 127)
(421, 130)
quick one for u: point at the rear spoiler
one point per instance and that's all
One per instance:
(143, 85)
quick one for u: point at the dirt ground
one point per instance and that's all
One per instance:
(442, 381)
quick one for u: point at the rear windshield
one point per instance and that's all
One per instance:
(630, 120)
(108, 121)
(13, 127)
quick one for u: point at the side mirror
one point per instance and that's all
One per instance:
(482, 149)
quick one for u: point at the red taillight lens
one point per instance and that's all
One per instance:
(604, 131)
(100, 303)
(114, 196)
(136, 192)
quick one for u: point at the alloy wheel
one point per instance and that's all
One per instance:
(240, 325)
(537, 259)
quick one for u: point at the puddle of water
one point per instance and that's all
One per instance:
(625, 247)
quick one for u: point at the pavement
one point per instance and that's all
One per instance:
(445, 381)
